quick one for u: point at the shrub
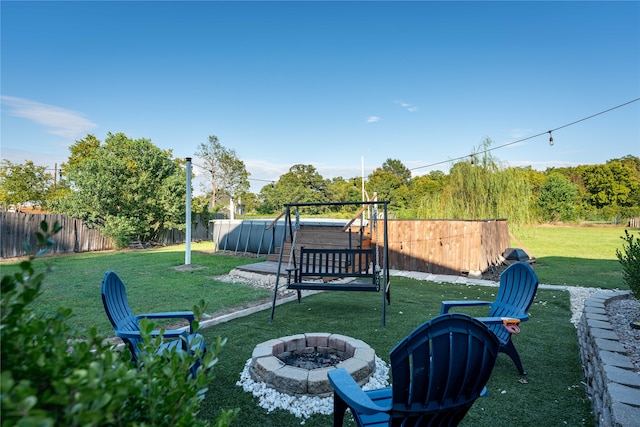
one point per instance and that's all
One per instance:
(630, 260)
(52, 377)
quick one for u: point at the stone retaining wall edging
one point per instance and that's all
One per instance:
(612, 384)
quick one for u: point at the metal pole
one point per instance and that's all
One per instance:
(385, 269)
(264, 228)
(287, 220)
(362, 179)
(187, 254)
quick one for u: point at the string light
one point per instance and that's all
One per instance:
(531, 137)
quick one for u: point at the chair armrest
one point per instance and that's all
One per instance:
(498, 320)
(345, 387)
(171, 333)
(447, 305)
(187, 315)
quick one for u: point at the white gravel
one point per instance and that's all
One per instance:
(304, 406)
(622, 312)
(578, 296)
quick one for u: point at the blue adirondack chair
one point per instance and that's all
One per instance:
(125, 323)
(438, 372)
(518, 287)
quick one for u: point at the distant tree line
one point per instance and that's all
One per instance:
(131, 189)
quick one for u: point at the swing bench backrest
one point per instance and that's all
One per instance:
(331, 264)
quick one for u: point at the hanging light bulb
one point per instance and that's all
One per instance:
(550, 139)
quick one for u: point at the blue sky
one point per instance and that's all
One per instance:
(331, 84)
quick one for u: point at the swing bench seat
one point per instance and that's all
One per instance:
(330, 265)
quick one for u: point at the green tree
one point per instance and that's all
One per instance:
(398, 169)
(248, 203)
(607, 185)
(607, 191)
(557, 199)
(22, 184)
(235, 179)
(129, 189)
(391, 182)
(342, 190)
(83, 149)
(302, 183)
(632, 164)
(424, 190)
(228, 175)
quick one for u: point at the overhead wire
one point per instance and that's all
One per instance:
(250, 179)
(503, 145)
(530, 137)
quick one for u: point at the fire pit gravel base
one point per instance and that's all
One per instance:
(358, 358)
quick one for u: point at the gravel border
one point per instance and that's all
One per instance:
(304, 406)
(621, 312)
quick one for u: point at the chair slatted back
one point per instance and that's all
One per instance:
(116, 305)
(518, 287)
(440, 369)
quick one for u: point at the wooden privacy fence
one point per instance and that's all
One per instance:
(446, 246)
(75, 236)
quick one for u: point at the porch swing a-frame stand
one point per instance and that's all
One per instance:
(334, 268)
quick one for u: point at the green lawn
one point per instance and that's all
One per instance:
(154, 283)
(552, 395)
(574, 256)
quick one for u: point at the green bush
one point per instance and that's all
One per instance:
(120, 230)
(52, 377)
(630, 260)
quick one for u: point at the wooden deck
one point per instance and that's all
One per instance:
(265, 267)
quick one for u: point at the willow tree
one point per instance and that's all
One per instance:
(480, 188)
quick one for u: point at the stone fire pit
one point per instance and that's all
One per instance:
(332, 350)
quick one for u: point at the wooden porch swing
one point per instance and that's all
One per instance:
(334, 268)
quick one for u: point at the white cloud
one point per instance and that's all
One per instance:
(409, 107)
(57, 121)
(373, 119)
(261, 169)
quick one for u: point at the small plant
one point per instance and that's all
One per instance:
(630, 260)
(51, 376)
